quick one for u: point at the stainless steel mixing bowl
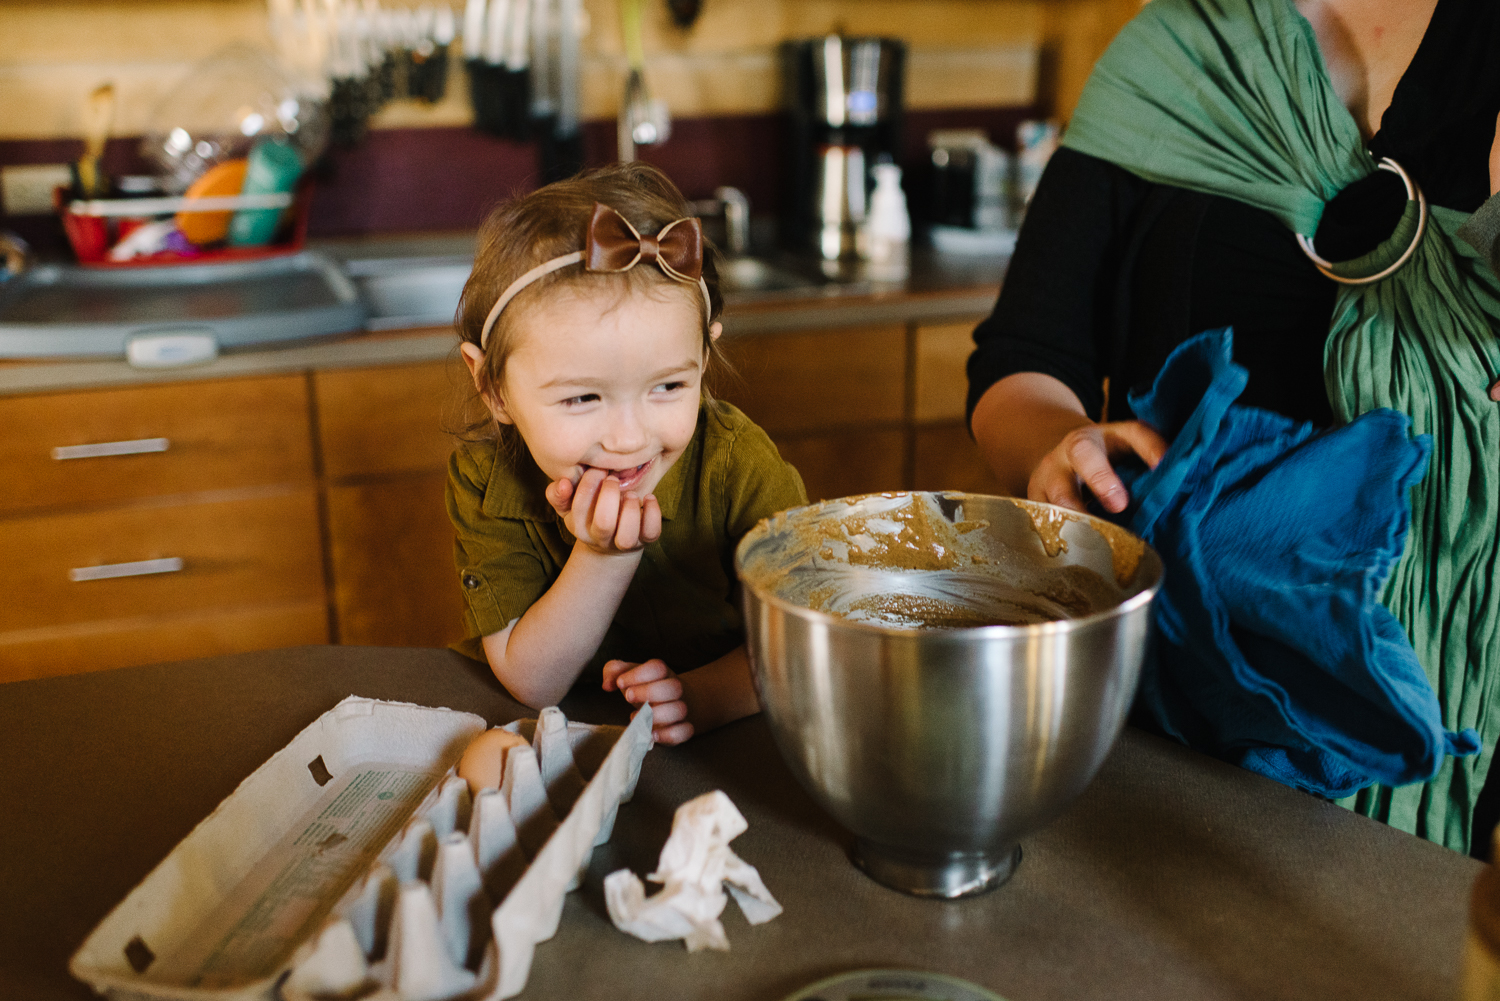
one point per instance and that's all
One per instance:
(940, 748)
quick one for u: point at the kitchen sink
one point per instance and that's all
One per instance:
(410, 291)
(424, 291)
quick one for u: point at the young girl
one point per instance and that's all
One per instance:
(596, 527)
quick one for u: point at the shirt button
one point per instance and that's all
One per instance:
(470, 581)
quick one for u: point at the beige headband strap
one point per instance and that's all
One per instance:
(546, 269)
(520, 283)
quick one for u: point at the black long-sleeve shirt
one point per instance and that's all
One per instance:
(1111, 272)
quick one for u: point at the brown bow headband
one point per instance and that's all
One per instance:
(613, 246)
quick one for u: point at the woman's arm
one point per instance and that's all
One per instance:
(1037, 438)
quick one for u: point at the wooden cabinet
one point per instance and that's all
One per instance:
(862, 409)
(385, 448)
(187, 519)
(157, 523)
(944, 457)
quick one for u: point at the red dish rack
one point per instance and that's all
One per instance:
(94, 226)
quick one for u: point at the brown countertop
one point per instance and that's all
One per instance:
(1173, 876)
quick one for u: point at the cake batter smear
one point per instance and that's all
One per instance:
(914, 561)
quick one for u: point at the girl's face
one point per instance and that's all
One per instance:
(600, 380)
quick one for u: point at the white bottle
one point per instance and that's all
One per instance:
(888, 232)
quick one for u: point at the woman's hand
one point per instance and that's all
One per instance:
(1495, 160)
(655, 683)
(601, 517)
(1083, 457)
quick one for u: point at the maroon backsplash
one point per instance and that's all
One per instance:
(402, 180)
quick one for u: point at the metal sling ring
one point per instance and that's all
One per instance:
(1413, 193)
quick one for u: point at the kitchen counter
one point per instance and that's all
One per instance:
(941, 287)
(1173, 876)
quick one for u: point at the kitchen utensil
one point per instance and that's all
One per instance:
(642, 121)
(97, 116)
(273, 168)
(220, 180)
(940, 748)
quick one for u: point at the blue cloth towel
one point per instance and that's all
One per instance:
(1273, 650)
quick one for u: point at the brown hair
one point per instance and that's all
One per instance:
(550, 222)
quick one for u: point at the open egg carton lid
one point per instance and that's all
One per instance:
(355, 863)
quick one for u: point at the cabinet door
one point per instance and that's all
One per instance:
(948, 459)
(842, 464)
(156, 582)
(385, 453)
(161, 560)
(942, 384)
(391, 548)
(814, 381)
(111, 445)
(376, 421)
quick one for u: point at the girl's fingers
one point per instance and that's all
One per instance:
(667, 713)
(650, 519)
(676, 733)
(606, 514)
(612, 671)
(642, 673)
(628, 534)
(585, 493)
(560, 495)
(654, 692)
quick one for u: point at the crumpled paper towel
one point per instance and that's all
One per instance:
(695, 864)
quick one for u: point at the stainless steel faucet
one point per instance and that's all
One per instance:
(736, 219)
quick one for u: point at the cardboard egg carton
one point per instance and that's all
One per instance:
(354, 863)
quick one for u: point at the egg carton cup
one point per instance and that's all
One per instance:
(355, 864)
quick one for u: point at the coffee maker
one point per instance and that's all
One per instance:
(844, 98)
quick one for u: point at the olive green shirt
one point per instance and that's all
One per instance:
(682, 605)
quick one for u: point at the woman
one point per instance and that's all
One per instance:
(1198, 153)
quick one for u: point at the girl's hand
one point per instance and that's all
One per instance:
(655, 683)
(601, 518)
(1083, 457)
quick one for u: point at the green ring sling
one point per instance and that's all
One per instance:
(1231, 98)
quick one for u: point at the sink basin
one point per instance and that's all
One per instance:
(424, 291)
(410, 291)
(747, 277)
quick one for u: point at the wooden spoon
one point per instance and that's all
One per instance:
(97, 117)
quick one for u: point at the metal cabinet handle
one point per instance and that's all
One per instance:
(110, 448)
(171, 564)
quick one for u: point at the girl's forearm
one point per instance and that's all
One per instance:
(540, 656)
(1019, 420)
(719, 692)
